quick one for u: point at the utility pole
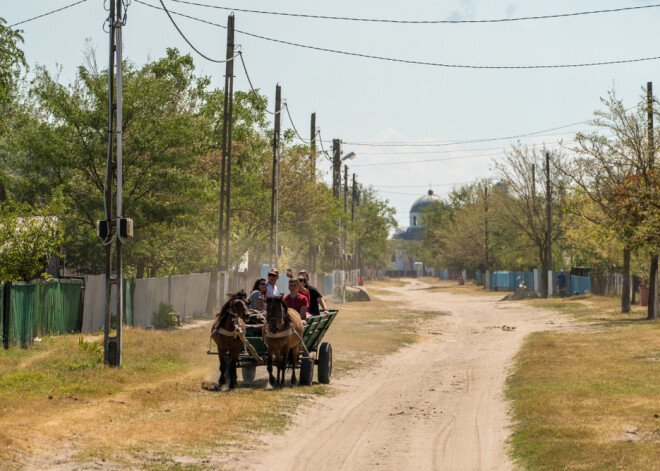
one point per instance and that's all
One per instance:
(225, 172)
(312, 158)
(336, 187)
(274, 196)
(548, 209)
(312, 146)
(353, 198)
(114, 229)
(487, 272)
(652, 312)
(343, 254)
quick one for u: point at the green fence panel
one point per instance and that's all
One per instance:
(129, 290)
(2, 315)
(41, 308)
(22, 313)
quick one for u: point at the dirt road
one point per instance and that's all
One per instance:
(437, 404)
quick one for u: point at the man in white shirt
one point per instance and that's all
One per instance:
(271, 287)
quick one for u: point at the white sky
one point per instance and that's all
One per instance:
(364, 100)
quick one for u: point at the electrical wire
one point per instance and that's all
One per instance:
(253, 89)
(430, 185)
(406, 162)
(306, 141)
(379, 20)
(416, 62)
(217, 61)
(47, 13)
(325, 153)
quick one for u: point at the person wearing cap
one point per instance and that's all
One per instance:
(561, 283)
(271, 287)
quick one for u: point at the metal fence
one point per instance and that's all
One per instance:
(38, 308)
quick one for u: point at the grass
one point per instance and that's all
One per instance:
(59, 403)
(588, 397)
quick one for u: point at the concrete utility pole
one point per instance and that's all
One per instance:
(487, 263)
(114, 229)
(336, 188)
(225, 172)
(312, 158)
(548, 209)
(312, 146)
(274, 195)
(653, 309)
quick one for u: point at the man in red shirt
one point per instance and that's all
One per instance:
(296, 300)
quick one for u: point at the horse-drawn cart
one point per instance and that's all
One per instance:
(312, 350)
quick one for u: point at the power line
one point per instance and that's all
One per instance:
(325, 153)
(467, 141)
(47, 13)
(217, 61)
(417, 62)
(381, 20)
(420, 186)
(306, 141)
(405, 162)
(247, 75)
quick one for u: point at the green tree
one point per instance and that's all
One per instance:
(28, 236)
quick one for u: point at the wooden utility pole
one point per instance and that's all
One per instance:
(548, 211)
(652, 312)
(274, 194)
(225, 167)
(486, 262)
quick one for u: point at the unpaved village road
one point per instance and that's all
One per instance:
(438, 404)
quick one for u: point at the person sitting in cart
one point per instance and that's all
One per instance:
(271, 287)
(296, 300)
(258, 296)
(314, 295)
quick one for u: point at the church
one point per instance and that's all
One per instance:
(404, 241)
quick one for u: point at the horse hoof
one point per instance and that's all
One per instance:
(271, 380)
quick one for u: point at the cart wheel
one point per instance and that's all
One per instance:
(306, 371)
(248, 373)
(325, 363)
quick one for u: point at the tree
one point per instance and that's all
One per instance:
(28, 236)
(521, 196)
(615, 172)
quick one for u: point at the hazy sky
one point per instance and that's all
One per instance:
(365, 100)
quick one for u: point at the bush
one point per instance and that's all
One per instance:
(165, 317)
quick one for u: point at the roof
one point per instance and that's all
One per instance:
(424, 201)
(411, 233)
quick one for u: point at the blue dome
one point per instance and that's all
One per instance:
(424, 201)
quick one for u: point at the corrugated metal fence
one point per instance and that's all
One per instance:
(30, 309)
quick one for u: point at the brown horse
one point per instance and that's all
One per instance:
(283, 332)
(224, 333)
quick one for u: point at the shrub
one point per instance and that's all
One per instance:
(165, 317)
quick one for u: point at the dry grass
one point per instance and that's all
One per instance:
(588, 398)
(58, 403)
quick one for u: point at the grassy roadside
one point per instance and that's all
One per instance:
(58, 403)
(588, 397)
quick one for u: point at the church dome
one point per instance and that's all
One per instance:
(424, 201)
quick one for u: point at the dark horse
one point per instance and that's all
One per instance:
(224, 333)
(282, 335)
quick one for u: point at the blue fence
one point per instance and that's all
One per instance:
(510, 280)
(580, 285)
(443, 274)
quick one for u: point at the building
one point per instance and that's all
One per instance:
(404, 241)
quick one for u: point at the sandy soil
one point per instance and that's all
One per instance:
(437, 404)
